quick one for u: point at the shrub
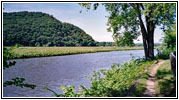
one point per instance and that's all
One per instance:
(165, 53)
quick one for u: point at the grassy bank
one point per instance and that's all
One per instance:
(140, 86)
(166, 84)
(28, 52)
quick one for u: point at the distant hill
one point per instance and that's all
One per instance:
(41, 29)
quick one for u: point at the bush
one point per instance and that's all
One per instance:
(165, 53)
(169, 43)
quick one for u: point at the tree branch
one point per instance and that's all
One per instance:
(142, 6)
(140, 20)
(133, 5)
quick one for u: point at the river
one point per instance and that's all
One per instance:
(54, 71)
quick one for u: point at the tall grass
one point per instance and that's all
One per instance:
(27, 52)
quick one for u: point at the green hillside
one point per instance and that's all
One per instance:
(40, 29)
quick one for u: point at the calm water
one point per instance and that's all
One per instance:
(52, 72)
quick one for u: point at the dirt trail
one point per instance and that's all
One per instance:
(150, 92)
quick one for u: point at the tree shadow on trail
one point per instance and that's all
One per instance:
(163, 73)
(166, 83)
(167, 88)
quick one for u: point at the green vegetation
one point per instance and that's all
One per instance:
(165, 78)
(40, 29)
(140, 86)
(109, 83)
(107, 44)
(166, 84)
(7, 54)
(128, 20)
(170, 37)
(26, 52)
(169, 42)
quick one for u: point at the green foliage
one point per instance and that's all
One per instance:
(165, 53)
(170, 37)
(69, 91)
(18, 82)
(116, 81)
(105, 44)
(125, 16)
(169, 42)
(7, 54)
(110, 83)
(40, 29)
(128, 20)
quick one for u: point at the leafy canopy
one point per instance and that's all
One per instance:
(124, 18)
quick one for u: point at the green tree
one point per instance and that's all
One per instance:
(128, 20)
(170, 37)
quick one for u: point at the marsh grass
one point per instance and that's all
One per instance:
(28, 52)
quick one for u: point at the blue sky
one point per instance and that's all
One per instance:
(92, 22)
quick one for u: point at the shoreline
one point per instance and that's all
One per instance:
(38, 52)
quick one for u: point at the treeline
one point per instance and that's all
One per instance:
(105, 44)
(40, 29)
(141, 44)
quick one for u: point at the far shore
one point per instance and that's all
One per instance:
(32, 52)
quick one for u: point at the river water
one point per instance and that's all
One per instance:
(54, 71)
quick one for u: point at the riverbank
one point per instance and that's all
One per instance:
(157, 81)
(30, 52)
(154, 79)
(114, 82)
(63, 70)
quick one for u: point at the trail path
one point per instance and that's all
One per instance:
(150, 92)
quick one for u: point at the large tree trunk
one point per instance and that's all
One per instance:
(150, 46)
(148, 42)
(147, 33)
(148, 39)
